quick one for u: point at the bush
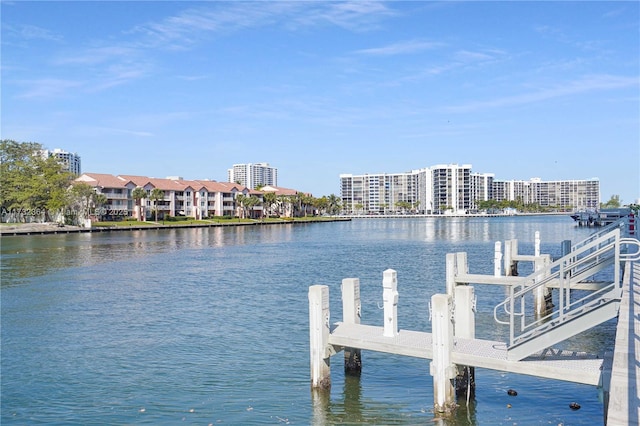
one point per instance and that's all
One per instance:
(176, 218)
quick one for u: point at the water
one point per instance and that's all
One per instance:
(210, 326)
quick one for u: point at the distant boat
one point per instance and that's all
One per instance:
(602, 217)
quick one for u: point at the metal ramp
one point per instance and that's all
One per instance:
(573, 311)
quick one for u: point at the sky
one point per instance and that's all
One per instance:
(320, 88)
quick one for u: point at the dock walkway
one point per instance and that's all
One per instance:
(623, 406)
(558, 364)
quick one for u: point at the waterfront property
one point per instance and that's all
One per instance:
(210, 325)
(196, 199)
(453, 188)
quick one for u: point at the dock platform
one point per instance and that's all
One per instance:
(578, 367)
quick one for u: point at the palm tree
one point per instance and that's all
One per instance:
(241, 199)
(305, 202)
(334, 204)
(156, 195)
(138, 194)
(251, 201)
(270, 199)
(99, 200)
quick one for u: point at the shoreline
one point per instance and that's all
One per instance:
(21, 229)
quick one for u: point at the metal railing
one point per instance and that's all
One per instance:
(590, 260)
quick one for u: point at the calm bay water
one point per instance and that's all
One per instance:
(210, 326)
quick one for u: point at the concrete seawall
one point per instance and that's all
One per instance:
(49, 229)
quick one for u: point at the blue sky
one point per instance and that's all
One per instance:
(316, 89)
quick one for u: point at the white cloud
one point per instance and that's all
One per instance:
(48, 88)
(405, 47)
(584, 85)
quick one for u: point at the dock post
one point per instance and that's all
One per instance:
(319, 336)
(462, 266)
(464, 324)
(450, 273)
(536, 244)
(390, 302)
(497, 259)
(441, 368)
(351, 313)
(510, 265)
(542, 295)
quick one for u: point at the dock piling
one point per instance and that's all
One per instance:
(510, 251)
(390, 302)
(319, 336)
(441, 367)
(497, 259)
(542, 295)
(351, 314)
(464, 325)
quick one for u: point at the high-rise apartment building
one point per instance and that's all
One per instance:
(380, 193)
(253, 175)
(446, 188)
(69, 160)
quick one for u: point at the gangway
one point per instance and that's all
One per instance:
(574, 311)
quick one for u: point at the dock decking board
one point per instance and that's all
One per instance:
(578, 367)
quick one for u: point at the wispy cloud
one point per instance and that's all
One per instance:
(120, 62)
(96, 55)
(124, 132)
(195, 24)
(356, 16)
(406, 47)
(48, 88)
(29, 32)
(584, 85)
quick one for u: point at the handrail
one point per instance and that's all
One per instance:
(620, 223)
(599, 251)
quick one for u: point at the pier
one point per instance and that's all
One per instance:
(541, 310)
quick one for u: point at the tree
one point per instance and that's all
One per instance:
(270, 201)
(138, 194)
(613, 203)
(241, 199)
(81, 196)
(404, 205)
(322, 204)
(99, 200)
(31, 185)
(251, 201)
(156, 195)
(334, 204)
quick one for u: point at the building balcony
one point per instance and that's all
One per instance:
(112, 196)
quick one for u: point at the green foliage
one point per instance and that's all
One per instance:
(155, 196)
(176, 218)
(613, 203)
(138, 194)
(31, 184)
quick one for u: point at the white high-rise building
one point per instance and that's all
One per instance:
(453, 188)
(70, 160)
(253, 175)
